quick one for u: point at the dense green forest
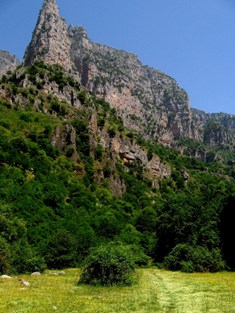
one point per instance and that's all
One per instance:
(53, 209)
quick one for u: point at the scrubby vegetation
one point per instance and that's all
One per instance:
(55, 205)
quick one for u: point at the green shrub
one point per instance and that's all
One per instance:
(112, 132)
(187, 258)
(101, 122)
(107, 265)
(98, 152)
(82, 96)
(5, 124)
(70, 152)
(26, 117)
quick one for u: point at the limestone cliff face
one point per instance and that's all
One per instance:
(7, 62)
(50, 42)
(149, 101)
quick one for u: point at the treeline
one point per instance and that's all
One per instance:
(53, 210)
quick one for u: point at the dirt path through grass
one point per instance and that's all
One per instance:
(193, 293)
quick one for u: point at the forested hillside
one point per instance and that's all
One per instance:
(67, 186)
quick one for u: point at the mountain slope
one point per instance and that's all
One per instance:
(73, 177)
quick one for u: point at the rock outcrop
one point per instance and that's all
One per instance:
(132, 155)
(8, 62)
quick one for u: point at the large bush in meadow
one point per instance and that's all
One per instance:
(107, 265)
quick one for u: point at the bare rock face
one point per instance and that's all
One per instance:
(50, 42)
(148, 101)
(8, 62)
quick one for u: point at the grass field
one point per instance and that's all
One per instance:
(154, 291)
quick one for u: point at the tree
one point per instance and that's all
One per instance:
(60, 250)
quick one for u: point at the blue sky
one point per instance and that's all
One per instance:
(191, 40)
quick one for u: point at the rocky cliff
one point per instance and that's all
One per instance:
(7, 62)
(149, 101)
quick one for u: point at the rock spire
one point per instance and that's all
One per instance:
(51, 5)
(50, 41)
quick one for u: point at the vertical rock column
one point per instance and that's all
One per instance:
(50, 42)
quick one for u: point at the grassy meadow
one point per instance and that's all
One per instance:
(154, 291)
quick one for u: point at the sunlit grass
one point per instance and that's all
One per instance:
(154, 291)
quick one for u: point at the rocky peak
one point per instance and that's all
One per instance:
(50, 6)
(50, 41)
(7, 62)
